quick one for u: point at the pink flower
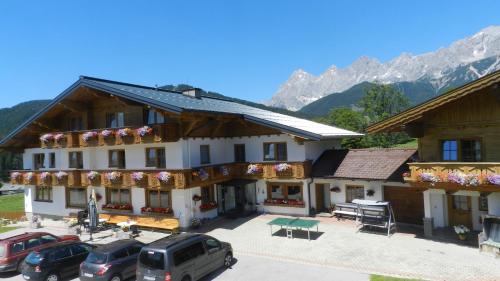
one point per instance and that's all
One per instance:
(143, 131)
(46, 138)
(88, 136)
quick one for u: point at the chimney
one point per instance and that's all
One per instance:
(193, 92)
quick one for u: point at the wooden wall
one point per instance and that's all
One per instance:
(476, 116)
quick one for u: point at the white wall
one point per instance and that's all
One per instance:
(261, 186)
(314, 149)
(340, 197)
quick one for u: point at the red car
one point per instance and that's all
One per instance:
(14, 249)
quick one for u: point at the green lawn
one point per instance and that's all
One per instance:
(374, 277)
(6, 228)
(411, 144)
(12, 203)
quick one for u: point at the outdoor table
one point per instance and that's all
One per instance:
(294, 223)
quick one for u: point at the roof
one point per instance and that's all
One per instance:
(368, 164)
(415, 113)
(171, 240)
(23, 236)
(111, 247)
(177, 102)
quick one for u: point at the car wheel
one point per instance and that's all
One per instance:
(186, 278)
(52, 277)
(115, 278)
(228, 260)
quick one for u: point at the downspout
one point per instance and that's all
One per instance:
(309, 195)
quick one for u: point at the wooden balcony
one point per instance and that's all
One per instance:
(477, 176)
(101, 137)
(182, 178)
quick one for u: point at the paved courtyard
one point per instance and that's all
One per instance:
(339, 245)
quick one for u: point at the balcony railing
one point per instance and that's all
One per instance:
(455, 174)
(164, 178)
(118, 136)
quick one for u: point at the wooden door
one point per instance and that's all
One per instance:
(407, 203)
(320, 199)
(459, 210)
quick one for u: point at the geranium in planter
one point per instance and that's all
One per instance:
(335, 189)
(46, 138)
(107, 133)
(493, 179)
(282, 167)
(15, 175)
(59, 137)
(45, 176)
(370, 192)
(29, 176)
(61, 175)
(125, 132)
(208, 206)
(461, 231)
(114, 176)
(163, 177)
(144, 131)
(457, 178)
(156, 210)
(138, 176)
(92, 175)
(428, 177)
(224, 170)
(253, 169)
(88, 136)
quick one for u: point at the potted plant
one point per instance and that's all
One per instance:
(370, 192)
(195, 223)
(462, 231)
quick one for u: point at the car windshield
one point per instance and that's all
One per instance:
(34, 258)
(152, 259)
(96, 258)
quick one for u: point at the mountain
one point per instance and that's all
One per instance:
(13, 116)
(303, 88)
(417, 91)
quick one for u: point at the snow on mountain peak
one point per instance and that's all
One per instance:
(303, 87)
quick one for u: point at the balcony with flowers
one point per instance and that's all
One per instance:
(46, 178)
(116, 136)
(480, 176)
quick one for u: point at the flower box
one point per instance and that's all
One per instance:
(139, 178)
(208, 206)
(112, 178)
(92, 178)
(107, 137)
(16, 178)
(164, 178)
(157, 211)
(89, 138)
(47, 140)
(284, 203)
(255, 169)
(117, 207)
(29, 178)
(126, 135)
(200, 175)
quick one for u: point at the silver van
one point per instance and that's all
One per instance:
(183, 257)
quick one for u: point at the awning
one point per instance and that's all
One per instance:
(236, 182)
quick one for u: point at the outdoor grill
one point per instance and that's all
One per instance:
(489, 239)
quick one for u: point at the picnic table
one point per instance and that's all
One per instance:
(291, 224)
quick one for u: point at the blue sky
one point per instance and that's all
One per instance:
(244, 49)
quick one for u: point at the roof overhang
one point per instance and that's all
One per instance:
(414, 114)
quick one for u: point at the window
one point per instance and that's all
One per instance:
(52, 160)
(43, 193)
(76, 197)
(212, 245)
(79, 249)
(48, 239)
(450, 150)
(75, 159)
(120, 254)
(483, 203)
(287, 191)
(354, 192)
(239, 153)
(152, 260)
(461, 202)
(31, 243)
(204, 154)
(155, 157)
(118, 196)
(39, 161)
(275, 151)
(17, 247)
(115, 120)
(470, 150)
(207, 194)
(117, 159)
(188, 253)
(60, 254)
(134, 249)
(158, 199)
(154, 117)
(75, 124)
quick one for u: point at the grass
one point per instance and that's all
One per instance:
(12, 203)
(411, 144)
(374, 277)
(6, 228)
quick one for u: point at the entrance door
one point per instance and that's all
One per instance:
(320, 199)
(459, 210)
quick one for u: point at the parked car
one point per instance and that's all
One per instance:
(14, 249)
(58, 262)
(115, 261)
(183, 257)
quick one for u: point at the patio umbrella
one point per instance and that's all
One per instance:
(93, 215)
